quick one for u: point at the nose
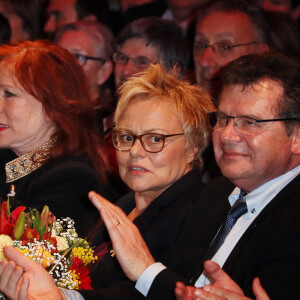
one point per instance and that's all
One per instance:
(50, 25)
(207, 59)
(129, 68)
(229, 133)
(137, 149)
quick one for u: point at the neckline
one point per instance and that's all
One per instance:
(27, 163)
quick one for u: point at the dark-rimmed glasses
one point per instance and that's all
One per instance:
(81, 58)
(244, 125)
(139, 61)
(151, 142)
(221, 49)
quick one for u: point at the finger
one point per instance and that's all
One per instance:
(13, 283)
(259, 291)
(224, 293)
(220, 278)
(23, 292)
(19, 258)
(6, 275)
(111, 214)
(215, 271)
(201, 294)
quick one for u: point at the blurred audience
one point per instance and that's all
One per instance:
(226, 30)
(285, 36)
(92, 43)
(26, 18)
(64, 12)
(5, 31)
(149, 40)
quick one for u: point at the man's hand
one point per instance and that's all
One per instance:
(128, 244)
(222, 287)
(22, 279)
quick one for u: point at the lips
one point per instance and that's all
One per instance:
(3, 127)
(137, 169)
(233, 154)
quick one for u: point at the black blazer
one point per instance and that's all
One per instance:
(269, 249)
(159, 225)
(63, 185)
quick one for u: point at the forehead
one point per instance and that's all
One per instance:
(80, 41)
(259, 100)
(139, 47)
(155, 111)
(222, 24)
(63, 6)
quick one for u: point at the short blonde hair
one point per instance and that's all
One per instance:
(189, 102)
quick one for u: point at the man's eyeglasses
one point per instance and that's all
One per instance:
(151, 142)
(140, 62)
(81, 58)
(221, 49)
(244, 125)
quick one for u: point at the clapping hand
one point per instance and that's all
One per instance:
(223, 287)
(128, 244)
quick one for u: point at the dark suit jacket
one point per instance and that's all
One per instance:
(269, 249)
(63, 185)
(159, 225)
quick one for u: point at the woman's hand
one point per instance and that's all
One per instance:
(128, 244)
(21, 278)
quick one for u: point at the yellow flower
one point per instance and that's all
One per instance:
(5, 240)
(86, 255)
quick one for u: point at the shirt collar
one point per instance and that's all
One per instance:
(260, 197)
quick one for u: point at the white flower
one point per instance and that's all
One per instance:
(62, 243)
(5, 240)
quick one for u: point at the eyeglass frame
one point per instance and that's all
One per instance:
(140, 138)
(86, 57)
(129, 58)
(215, 113)
(230, 46)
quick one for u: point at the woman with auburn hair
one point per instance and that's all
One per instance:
(47, 120)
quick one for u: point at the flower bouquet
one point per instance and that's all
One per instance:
(52, 243)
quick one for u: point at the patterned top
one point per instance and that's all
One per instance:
(27, 163)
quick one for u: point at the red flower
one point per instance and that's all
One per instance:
(7, 223)
(83, 273)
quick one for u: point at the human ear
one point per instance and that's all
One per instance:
(191, 154)
(296, 141)
(104, 72)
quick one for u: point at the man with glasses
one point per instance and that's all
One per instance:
(92, 43)
(226, 30)
(149, 40)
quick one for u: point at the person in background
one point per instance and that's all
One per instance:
(47, 122)
(26, 18)
(5, 31)
(145, 41)
(160, 134)
(284, 35)
(64, 12)
(226, 30)
(92, 43)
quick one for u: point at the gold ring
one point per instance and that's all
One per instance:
(117, 223)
